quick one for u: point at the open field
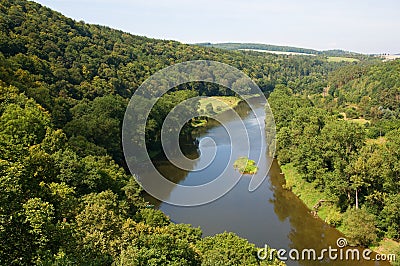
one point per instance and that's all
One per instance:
(340, 59)
(361, 121)
(378, 141)
(276, 52)
(218, 103)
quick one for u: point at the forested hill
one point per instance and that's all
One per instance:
(371, 92)
(64, 86)
(72, 69)
(343, 146)
(258, 46)
(270, 47)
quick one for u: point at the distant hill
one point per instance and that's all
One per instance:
(258, 46)
(269, 47)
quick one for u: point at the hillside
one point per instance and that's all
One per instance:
(258, 46)
(65, 197)
(65, 65)
(372, 92)
(269, 47)
(342, 147)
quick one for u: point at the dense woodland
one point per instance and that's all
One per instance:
(66, 197)
(346, 142)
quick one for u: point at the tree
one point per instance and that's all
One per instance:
(98, 227)
(342, 140)
(21, 127)
(228, 249)
(360, 226)
(39, 217)
(99, 122)
(146, 245)
(390, 215)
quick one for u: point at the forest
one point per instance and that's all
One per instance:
(345, 144)
(66, 195)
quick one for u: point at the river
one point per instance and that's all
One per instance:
(269, 215)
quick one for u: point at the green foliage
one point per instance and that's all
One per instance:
(373, 89)
(98, 226)
(245, 166)
(396, 251)
(169, 245)
(152, 217)
(159, 249)
(65, 198)
(390, 216)
(21, 127)
(39, 217)
(98, 122)
(333, 154)
(359, 226)
(334, 217)
(227, 249)
(160, 111)
(283, 105)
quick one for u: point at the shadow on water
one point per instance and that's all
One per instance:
(269, 215)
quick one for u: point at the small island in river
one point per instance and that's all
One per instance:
(245, 166)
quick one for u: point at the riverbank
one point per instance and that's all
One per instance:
(216, 105)
(327, 211)
(309, 195)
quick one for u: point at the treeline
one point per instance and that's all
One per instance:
(353, 160)
(269, 47)
(259, 46)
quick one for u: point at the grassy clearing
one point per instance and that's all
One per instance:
(360, 121)
(199, 122)
(341, 59)
(219, 104)
(378, 141)
(245, 166)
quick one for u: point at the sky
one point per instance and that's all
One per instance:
(365, 26)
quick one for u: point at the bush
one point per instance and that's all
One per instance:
(333, 218)
(359, 226)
